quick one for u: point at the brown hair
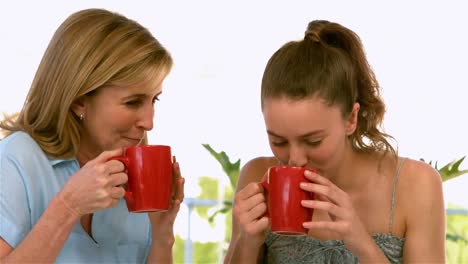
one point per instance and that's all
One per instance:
(330, 62)
(92, 48)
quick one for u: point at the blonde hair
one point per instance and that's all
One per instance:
(330, 62)
(91, 48)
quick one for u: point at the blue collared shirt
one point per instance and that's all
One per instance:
(29, 179)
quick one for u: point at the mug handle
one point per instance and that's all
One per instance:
(265, 186)
(128, 195)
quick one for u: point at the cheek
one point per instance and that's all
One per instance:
(327, 153)
(107, 123)
(121, 117)
(322, 155)
(122, 122)
(280, 153)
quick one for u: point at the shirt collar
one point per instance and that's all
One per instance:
(54, 161)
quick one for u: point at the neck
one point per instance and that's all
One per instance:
(85, 154)
(349, 172)
(82, 158)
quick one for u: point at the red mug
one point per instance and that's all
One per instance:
(149, 170)
(284, 196)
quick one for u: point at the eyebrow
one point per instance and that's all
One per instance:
(140, 95)
(313, 133)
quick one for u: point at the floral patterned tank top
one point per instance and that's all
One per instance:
(306, 249)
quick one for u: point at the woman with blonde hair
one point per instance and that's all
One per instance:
(322, 109)
(93, 94)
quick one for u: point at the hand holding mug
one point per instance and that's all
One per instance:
(96, 186)
(249, 208)
(338, 205)
(163, 221)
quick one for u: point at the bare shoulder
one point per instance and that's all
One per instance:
(254, 169)
(420, 185)
(419, 175)
(422, 206)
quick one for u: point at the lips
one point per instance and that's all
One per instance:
(134, 141)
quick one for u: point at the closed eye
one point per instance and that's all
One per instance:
(134, 103)
(279, 143)
(313, 143)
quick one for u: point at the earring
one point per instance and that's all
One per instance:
(81, 117)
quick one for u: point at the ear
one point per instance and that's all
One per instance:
(351, 123)
(78, 107)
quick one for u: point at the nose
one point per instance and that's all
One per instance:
(297, 156)
(145, 118)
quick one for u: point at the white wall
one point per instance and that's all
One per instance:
(417, 48)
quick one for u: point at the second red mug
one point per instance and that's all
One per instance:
(149, 170)
(284, 196)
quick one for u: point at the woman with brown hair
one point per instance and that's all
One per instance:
(322, 109)
(93, 94)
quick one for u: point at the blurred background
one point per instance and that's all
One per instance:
(417, 50)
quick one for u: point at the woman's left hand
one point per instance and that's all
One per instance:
(337, 203)
(163, 222)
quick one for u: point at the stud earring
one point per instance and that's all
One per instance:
(81, 117)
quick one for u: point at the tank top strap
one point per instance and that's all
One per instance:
(395, 181)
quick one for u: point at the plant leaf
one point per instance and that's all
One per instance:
(452, 170)
(455, 238)
(209, 191)
(223, 210)
(231, 169)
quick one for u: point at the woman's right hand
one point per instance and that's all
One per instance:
(96, 186)
(249, 208)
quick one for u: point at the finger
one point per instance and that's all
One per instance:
(177, 181)
(263, 223)
(106, 155)
(257, 226)
(175, 208)
(248, 217)
(258, 211)
(332, 193)
(317, 178)
(118, 179)
(112, 203)
(180, 190)
(321, 197)
(176, 174)
(249, 190)
(117, 192)
(251, 202)
(329, 207)
(114, 166)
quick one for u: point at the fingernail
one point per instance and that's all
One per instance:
(308, 173)
(303, 184)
